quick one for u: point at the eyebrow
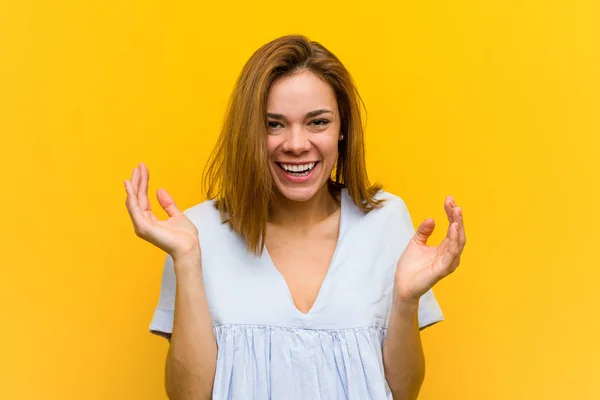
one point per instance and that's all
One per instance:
(308, 114)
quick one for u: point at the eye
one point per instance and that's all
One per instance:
(273, 124)
(319, 122)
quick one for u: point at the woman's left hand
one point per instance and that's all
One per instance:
(421, 266)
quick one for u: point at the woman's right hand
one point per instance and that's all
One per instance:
(177, 235)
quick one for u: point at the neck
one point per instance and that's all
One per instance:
(286, 212)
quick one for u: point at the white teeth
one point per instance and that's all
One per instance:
(298, 168)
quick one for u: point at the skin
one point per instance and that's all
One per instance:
(295, 137)
(307, 213)
(303, 127)
(191, 360)
(300, 208)
(419, 268)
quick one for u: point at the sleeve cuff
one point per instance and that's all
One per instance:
(429, 313)
(162, 321)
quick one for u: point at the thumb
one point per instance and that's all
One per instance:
(424, 231)
(167, 202)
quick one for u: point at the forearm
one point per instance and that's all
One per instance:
(403, 358)
(192, 355)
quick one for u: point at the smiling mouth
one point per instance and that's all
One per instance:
(297, 169)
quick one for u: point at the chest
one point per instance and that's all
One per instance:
(303, 259)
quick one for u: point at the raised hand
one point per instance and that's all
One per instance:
(177, 235)
(421, 266)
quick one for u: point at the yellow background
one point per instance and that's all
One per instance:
(494, 102)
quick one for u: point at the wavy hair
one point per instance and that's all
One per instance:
(237, 176)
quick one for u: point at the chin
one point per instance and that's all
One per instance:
(298, 194)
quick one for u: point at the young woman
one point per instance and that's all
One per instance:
(296, 279)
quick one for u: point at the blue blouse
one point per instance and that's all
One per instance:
(267, 348)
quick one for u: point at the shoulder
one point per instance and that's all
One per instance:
(395, 222)
(391, 212)
(398, 225)
(392, 207)
(392, 201)
(392, 217)
(205, 207)
(212, 231)
(204, 215)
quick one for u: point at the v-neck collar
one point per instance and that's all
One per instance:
(269, 260)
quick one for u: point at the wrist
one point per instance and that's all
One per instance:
(405, 306)
(190, 251)
(189, 261)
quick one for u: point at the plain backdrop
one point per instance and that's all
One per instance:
(493, 102)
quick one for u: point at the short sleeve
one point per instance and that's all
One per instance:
(162, 320)
(400, 230)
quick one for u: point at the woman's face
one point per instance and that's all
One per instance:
(303, 133)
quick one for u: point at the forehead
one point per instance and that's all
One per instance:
(295, 95)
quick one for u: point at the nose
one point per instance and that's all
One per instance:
(296, 141)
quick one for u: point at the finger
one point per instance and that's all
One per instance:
(462, 238)
(135, 181)
(424, 231)
(132, 207)
(451, 257)
(449, 206)
(142, 194)
(167, 203)
(454, 249)
(454, 216)
(450, 227)
(443, 246)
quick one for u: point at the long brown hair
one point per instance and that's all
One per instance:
(237, 174)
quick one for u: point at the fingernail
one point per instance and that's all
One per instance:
(460, 212)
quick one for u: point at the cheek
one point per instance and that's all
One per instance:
(329, 146)
(272, 144)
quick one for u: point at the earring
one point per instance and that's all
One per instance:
(341, 137)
